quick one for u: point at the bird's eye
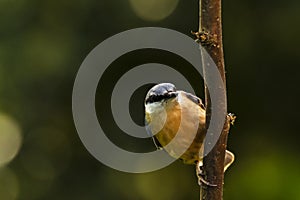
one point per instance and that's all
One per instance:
(154, 98)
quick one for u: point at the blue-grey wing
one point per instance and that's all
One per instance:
(194, 99)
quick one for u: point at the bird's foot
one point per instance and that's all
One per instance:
(201, 176)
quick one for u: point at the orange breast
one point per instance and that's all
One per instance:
(186, 121)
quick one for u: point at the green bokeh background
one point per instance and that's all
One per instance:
(42, 44)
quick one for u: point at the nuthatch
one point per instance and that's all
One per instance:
(167, 110)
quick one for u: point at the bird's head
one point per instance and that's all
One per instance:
(160, 93)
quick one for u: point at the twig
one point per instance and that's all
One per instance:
(210, 36)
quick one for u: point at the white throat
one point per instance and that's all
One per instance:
(154, 107)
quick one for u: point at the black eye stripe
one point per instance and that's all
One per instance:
(157, 98)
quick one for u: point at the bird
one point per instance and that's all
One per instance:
(168, 112)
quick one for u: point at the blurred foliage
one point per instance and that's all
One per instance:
(42, 44)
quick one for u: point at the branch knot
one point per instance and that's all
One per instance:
(205, 38)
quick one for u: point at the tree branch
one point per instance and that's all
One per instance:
(210, 36)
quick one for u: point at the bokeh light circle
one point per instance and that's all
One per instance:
(10, 139)
(153, 10)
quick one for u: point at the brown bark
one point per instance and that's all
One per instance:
(210, 36)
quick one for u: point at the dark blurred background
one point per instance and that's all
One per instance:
(42, 45)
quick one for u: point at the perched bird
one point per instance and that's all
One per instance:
(170, 112)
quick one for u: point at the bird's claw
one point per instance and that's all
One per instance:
(201, 177)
